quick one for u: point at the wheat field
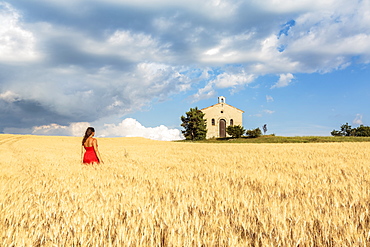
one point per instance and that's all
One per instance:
(153, 193)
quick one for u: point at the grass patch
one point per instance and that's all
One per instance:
(283, 139)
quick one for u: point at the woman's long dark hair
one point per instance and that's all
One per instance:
(88, 133)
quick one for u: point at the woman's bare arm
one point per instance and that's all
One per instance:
(82, 154)
(95, 145)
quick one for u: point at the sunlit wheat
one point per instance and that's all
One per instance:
(152, 193)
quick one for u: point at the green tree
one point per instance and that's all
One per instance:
(235, 131)
(336, 133)
(254, 133)
(264, 129)
(346, 129)
(194, 125)
(362, 131)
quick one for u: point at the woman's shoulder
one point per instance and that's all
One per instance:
(89, 141)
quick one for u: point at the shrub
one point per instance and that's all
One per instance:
(235, 131)
(254, 133)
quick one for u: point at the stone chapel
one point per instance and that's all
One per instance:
(220, 116)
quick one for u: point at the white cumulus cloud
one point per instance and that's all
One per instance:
(130, 127)
(268, 111)
(284, 80)
(227, 79)
(269, 98)
(9, 96)
(16, 43)
(357, 120)
(74, 129)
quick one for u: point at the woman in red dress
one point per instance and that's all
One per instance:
(92, 155)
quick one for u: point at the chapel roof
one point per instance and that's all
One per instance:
(221, 104)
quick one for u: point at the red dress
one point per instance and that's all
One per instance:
(90, 156)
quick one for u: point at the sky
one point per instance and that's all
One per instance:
(133, 68)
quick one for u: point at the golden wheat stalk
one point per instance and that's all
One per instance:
(183, 194)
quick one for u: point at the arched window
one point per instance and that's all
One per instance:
(231, 122)
(213, 121)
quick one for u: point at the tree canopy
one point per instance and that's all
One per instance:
(347, 130)
(194, 125)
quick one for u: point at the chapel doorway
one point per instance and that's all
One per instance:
(222, 128)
